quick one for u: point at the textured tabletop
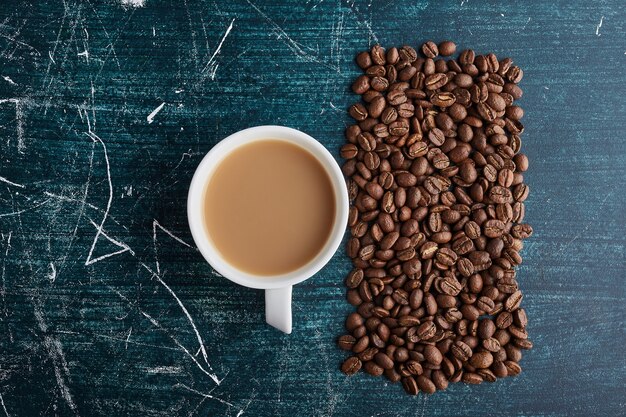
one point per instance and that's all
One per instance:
(106, 108)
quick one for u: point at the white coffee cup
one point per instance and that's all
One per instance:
(277, 288)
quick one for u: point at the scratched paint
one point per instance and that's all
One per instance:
(106, 306)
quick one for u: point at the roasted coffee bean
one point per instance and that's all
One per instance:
(519, 317)
(377, 54)
(447, 48)
(361, 85)
(425, 385)
(432, 354)
(436, 185)
(351, 365)
(461, 351)
(513, 302)
(512, 368)
(383, 360)
(481, 360)
(414, 367)
(435, 81)
(373, 369)
(471, 378)
(354, 278)
(409, 385)
(346, 342)
(430, 50)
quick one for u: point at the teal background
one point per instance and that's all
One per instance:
(147, 331)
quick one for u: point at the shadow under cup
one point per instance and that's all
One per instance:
(278, 294)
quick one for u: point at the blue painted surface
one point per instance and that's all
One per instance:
(85, 334)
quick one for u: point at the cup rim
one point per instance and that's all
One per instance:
(205, 169)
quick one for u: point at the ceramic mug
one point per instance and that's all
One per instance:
(277, 288)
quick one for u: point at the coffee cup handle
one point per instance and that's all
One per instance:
(278, 308)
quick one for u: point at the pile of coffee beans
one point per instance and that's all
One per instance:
(437, 193)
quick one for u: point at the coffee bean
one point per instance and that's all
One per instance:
(354, 278)
(481, 360)
(364, 60)
(372, 368)
(504, 320)
(513, 301)
(436, 185)
(368, 354)
(409, 385)
(485, 304)
(447, 48)
(351, 365)
(425, 385)
(414, 367)
(493, 228)
(346, 342)
(432, 354)
(361, 85)
(519, 317)
(429, 49)
(467, 57)
(512, 368)
(407, 54)
(379, 83)
(435, 81)
(471, 378)
(461, 351)
(378, 55)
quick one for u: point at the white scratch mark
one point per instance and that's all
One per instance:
(2, 179)
(295, 47)
(51, 58)
(130, 331)
(12, 39)
(73, 200)
(463, 2)
(55, 351)
(19, 121)
(158, 326)
(599, 26)
(17, 213)
(206, 396)
(164, 370)
(336, 108)
(85, 53)
(99, 228)
(502, 14)
(3, 290)
(218, 49)
(193, 326)
(252, 396)
(213, 71)
(156, 224)
(317, 4)
(150, 117)
(125, 247)
(53, 273)
(9, 80)
(179, 90)
(4, 407)
(132, 4)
